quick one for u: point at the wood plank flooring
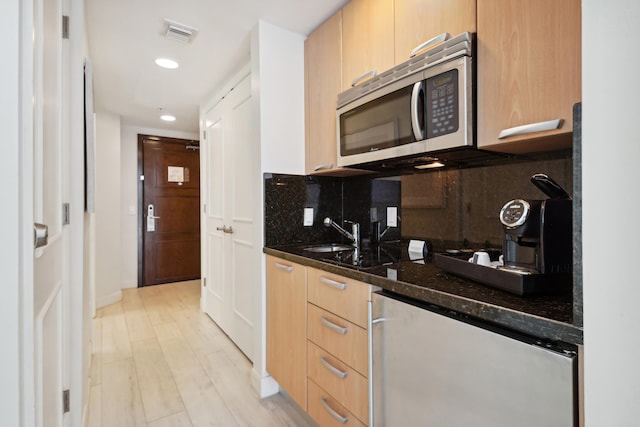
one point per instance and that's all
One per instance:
(157, 361)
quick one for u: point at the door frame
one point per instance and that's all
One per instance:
(141, 209)
(18, 371)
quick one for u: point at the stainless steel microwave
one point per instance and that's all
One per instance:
(420, 107)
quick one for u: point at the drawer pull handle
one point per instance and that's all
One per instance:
(287, 268)
(335, 371)
(437, 39)
(367, 75)
(329, 324)
(530, 128)
(323, 167)
(339, 418)
(332, 283)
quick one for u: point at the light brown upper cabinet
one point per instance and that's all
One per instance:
(323, 79)
(367, 39)
(529, 73)
(417, 21)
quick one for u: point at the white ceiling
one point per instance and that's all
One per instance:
(125, 37)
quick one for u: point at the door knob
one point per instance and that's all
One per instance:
(225, 229)
(40, 235)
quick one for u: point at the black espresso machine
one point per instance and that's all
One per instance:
(538, 233)
(537, 246)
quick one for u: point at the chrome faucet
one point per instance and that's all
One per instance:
(376, 235)
(354, 236)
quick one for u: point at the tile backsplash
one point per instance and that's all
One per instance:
(464, 204)
(286, 196)
(444, 207)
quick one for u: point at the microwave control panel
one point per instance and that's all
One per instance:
(441, 99)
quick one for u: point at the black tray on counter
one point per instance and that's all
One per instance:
(529, 284)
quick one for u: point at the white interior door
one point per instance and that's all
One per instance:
(230, 264)
(50, 179)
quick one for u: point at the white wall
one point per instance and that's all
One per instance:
(277, 69)
(277, 72)
(611, 202)
(129, 197)
(107, 222)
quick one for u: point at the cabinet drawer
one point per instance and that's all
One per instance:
(345, 297)
(343, 339)
(326, 410)
(343, 383)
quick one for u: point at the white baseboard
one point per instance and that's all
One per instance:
(85, 415)
(85, 409)
(108, 299)
(129, 284)
(265, 386)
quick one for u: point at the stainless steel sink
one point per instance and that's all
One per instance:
(333, 247)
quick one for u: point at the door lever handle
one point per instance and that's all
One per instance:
(40, 235)
(151, 211)
(225, 229)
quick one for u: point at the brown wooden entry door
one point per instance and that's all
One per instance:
(170, 211)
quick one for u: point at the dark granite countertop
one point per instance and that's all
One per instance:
(544, 317)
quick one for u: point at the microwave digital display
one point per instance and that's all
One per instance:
(441, 93)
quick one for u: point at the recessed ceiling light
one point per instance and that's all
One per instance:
(168, 118)
(167, 63)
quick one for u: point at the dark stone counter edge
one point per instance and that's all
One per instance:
(536, 326)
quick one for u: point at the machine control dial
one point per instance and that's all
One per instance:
(515, 213)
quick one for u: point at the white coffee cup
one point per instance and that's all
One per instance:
(480, 258)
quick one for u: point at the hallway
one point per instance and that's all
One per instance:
(158, 361)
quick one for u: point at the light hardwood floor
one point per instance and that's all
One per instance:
(158, 361)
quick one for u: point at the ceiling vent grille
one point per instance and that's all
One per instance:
(180, 32)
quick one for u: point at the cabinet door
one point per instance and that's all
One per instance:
(287, 327)
(322, 84)
(367, 38)
(529, 61)
(417, 21)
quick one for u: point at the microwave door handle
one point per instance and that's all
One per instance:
(418, 132)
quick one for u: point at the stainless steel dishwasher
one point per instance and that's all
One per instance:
(431, 368)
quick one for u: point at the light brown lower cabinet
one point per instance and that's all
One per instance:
(286, 327)
(317, 346)
(345, 297)
(339, 380)
(326, 410)
(343, 339)
(337, 349)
